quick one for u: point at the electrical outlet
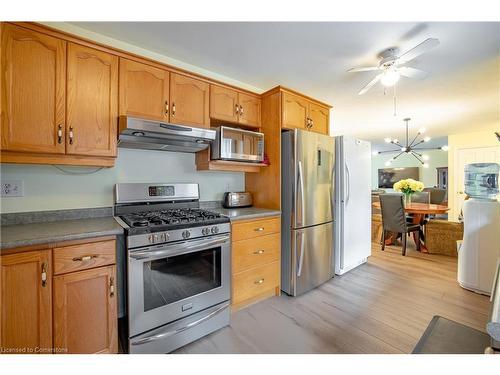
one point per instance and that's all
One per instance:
(13, 188)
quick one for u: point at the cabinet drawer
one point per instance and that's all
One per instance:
(255, 281)
(255, 252)
(84, 256)
(251, 229)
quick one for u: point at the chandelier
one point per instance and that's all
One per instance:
(410, 148)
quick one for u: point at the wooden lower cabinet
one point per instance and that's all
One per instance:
(85, 311)
(26, 302)
(61, 299)
(255, 258)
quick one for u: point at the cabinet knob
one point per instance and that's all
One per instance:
(173, 109)
(71, 135)
(166, 107)
(111, 286)
(237, 109)
(44, 275)
(259, 229)
(258, 252)
(59, 134)
(259, 281)
(241, 110)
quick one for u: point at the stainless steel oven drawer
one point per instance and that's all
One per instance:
(170, 337)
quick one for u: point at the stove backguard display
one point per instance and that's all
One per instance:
(162, 191)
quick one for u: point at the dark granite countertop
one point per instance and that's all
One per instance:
(57, 231)
(246, 213)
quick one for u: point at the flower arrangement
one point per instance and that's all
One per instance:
(408, 186)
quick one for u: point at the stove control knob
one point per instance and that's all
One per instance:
(151, 238)
(186, 234)
(206, 231)
(215, 230)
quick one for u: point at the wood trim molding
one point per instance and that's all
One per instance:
(291, 91)
(57, 159)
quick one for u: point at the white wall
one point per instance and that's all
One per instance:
(46, 188)
(428, 176)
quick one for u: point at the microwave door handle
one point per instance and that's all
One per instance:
(164, 334)
(177, 249)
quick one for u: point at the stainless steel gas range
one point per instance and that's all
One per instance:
(178, 265)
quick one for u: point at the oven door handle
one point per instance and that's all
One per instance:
(162, 335)
(178, 249)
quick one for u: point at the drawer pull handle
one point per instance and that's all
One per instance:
(259, 252)
(261, 281)
(259, 229)
(84, 258)
(44, 275)
(111, 286)
(166, 107)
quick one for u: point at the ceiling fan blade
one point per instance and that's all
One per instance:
(370, 84)
(412, 72)
(423, 47)
(363, 69)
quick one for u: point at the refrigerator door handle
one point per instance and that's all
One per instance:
(348, 181)
(301, 256)
(301, 185)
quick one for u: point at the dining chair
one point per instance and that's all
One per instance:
(394, 219)
(421, 197)
(438, 196)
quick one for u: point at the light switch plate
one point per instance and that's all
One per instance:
(13, 188)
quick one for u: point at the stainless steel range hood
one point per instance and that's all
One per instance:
(155, 135)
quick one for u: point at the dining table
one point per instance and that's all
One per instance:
(418, 213)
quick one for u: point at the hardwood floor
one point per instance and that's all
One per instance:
(383, 306)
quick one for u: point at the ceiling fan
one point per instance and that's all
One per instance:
(392, 64)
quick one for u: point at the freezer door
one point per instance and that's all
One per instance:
(353, 240)
(314, 158)
(312, 249)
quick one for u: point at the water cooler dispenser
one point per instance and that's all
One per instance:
(480, 250)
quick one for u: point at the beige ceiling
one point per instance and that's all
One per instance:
(460, 94)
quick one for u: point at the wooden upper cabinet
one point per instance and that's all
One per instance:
(92, 102)
(320, 117)
(223, 103)
(294, 111)
(144, 91)
(85, 311)
(250, 107)
(33, 78)
(189, 99)
(26, 301)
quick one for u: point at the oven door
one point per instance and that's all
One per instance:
(171, 281)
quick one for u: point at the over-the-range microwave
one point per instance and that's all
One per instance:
(238, 144)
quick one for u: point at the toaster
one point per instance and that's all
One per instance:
(241, 199)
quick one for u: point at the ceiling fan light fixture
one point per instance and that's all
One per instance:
(427, 139)
(387, 140)
(375, 153)
(395, 140)
(390, 77)
(425, 157)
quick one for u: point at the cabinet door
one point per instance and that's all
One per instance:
(26, 308)
(223, 104)
(249, 110)
(295, 110)
(33, 76)
(85, 311)
(143, 91)
(92, 102)
(320, 118)
(190, 101)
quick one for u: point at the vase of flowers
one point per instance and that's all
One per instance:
(408, 187)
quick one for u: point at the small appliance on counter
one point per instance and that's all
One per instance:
(238, 145)
(237, 199)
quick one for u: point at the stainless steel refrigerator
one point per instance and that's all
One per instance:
(307, 177)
